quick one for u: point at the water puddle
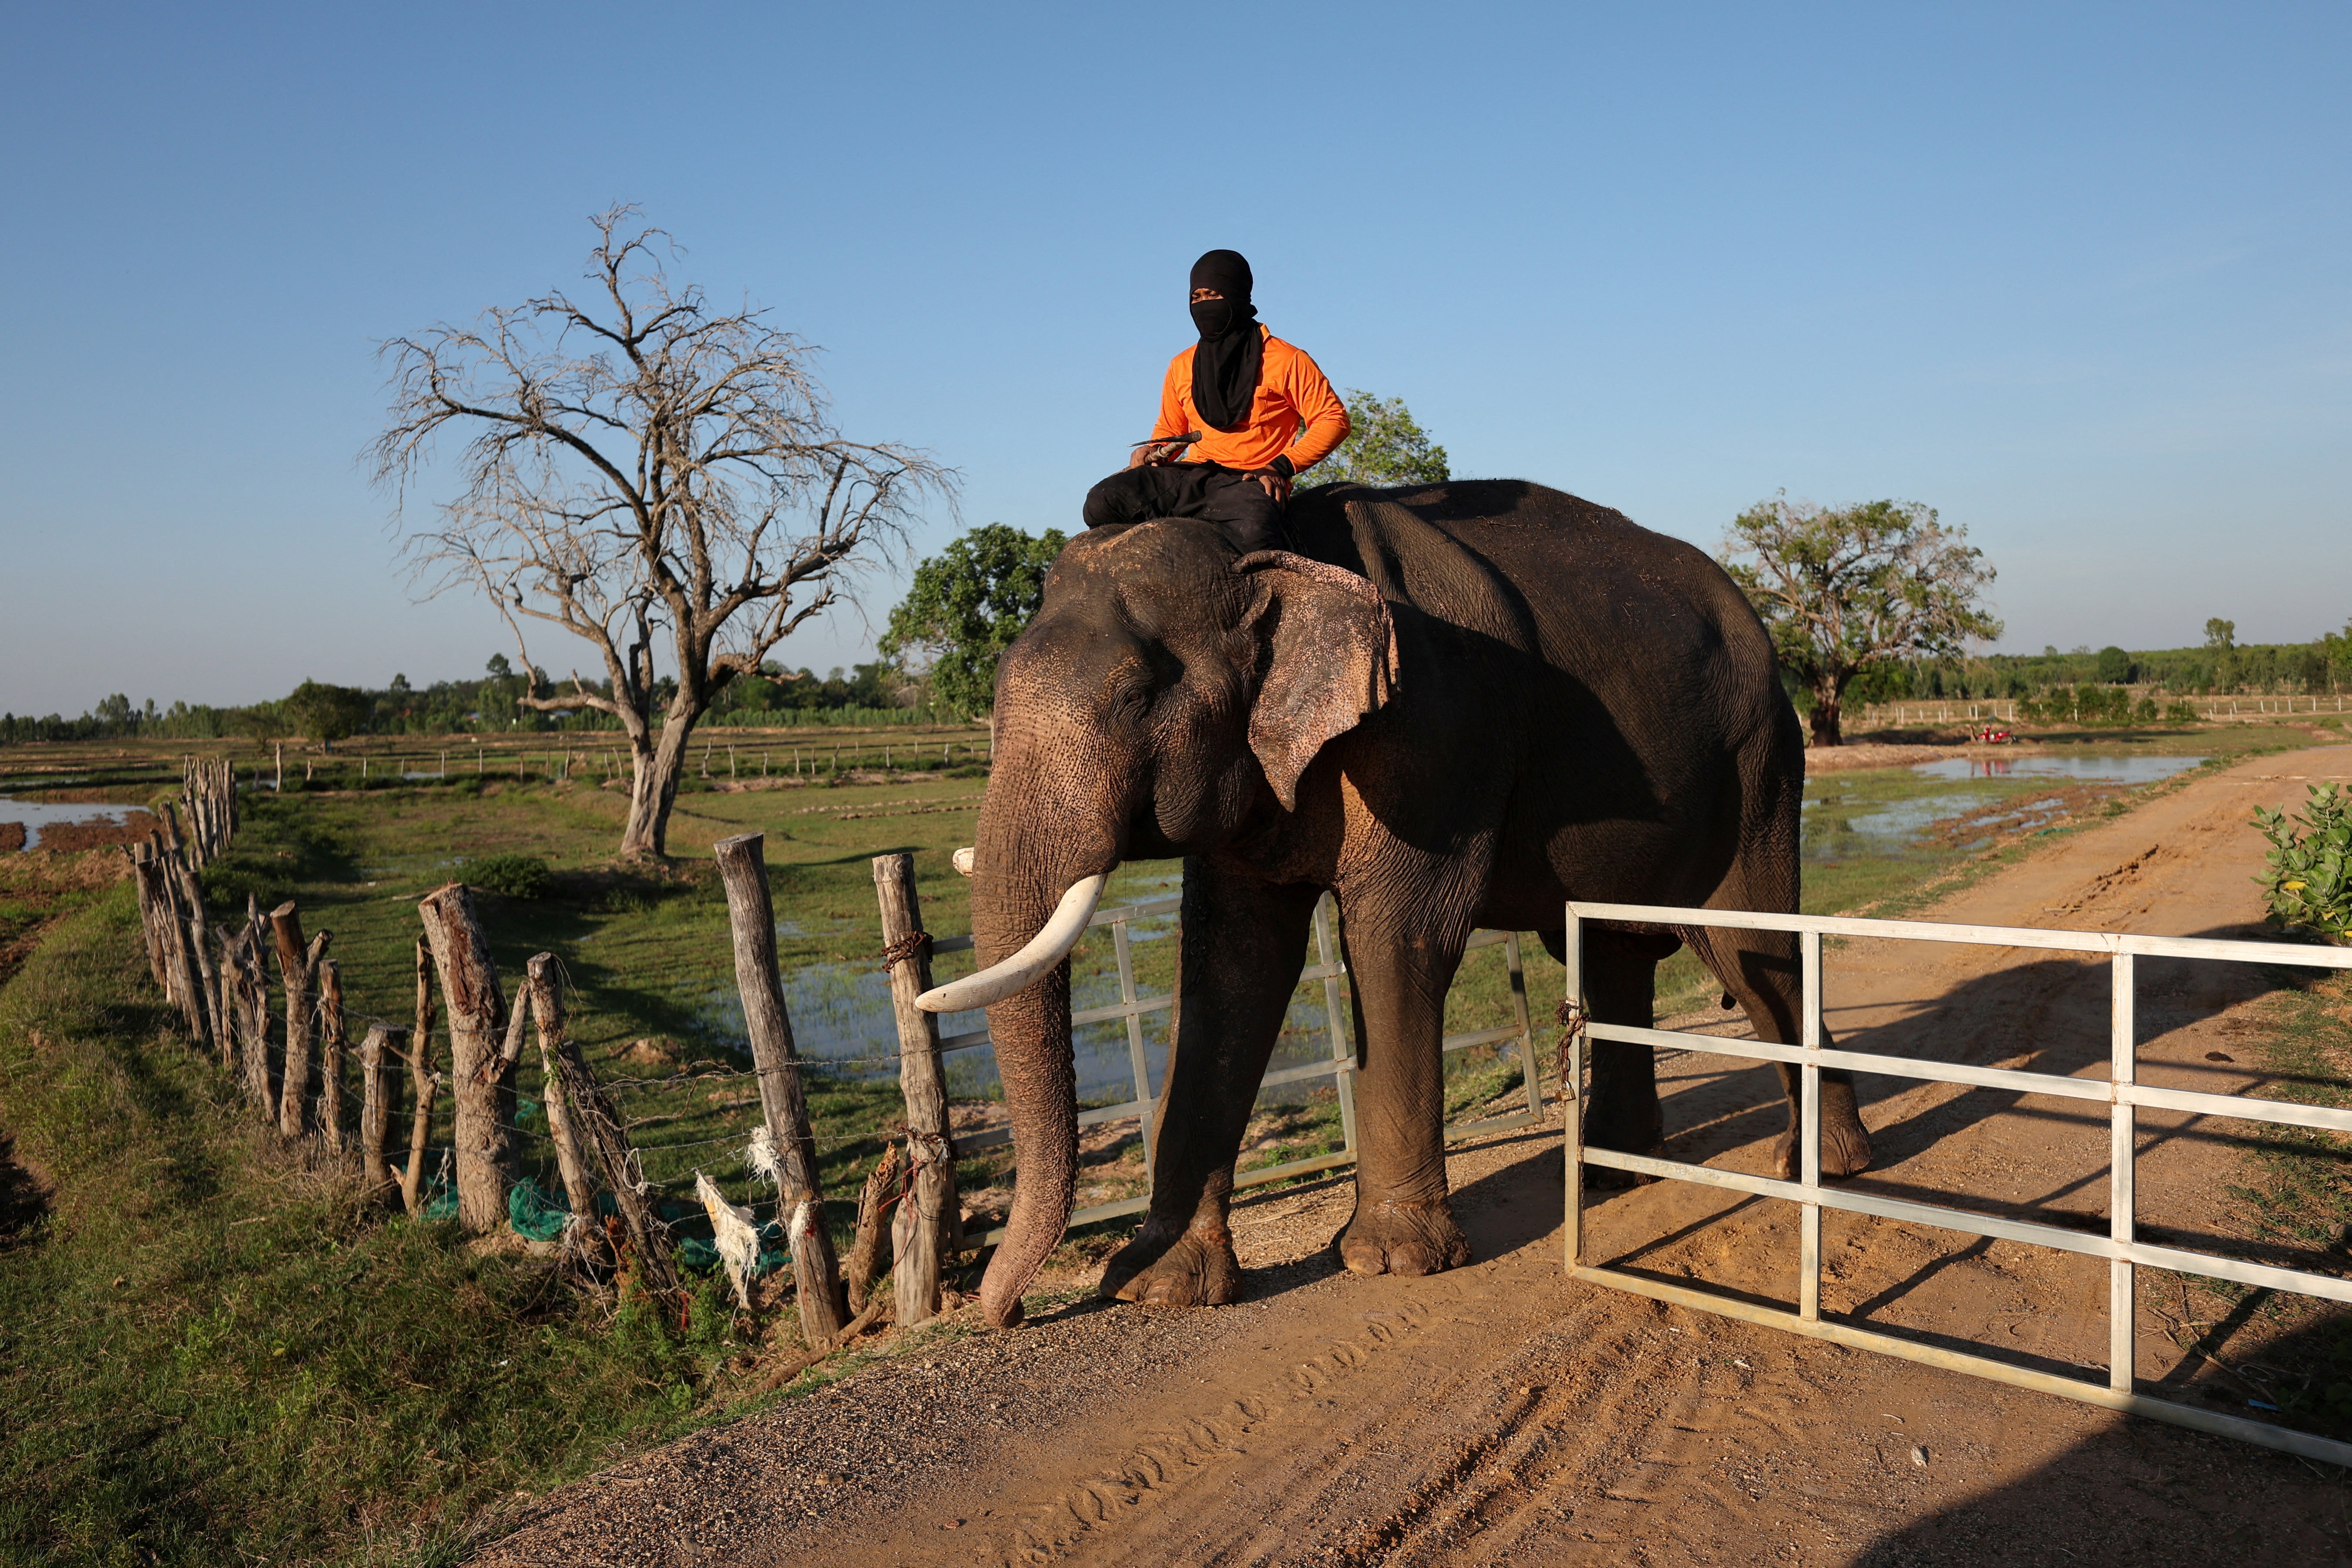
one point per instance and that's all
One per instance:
(1846, 817)
(37, 814)
(2125, 768)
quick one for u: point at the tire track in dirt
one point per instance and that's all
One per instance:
(1267, 1422)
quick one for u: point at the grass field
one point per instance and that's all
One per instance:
(213, 1355)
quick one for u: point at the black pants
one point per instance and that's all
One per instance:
(1227, 496)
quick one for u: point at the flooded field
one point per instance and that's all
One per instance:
(841, 1011)
(34, 817)
(1873, 828)
(2117, 767)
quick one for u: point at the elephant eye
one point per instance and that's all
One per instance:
(1130, 704)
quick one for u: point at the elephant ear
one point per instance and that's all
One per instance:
(1330, 654)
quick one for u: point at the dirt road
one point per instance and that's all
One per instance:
(1500, 1415)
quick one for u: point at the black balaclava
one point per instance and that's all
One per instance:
(1225, 365)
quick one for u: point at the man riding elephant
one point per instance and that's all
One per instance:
(1248, 411)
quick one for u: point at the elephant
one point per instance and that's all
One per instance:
(1451, 706)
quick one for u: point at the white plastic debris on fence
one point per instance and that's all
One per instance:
(760, 1155)
(737, 1236)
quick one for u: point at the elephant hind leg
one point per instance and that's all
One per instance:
(1621, 1109)
(1761, 970)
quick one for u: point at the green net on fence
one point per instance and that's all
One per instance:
(533, 1214)
(537, 1215)
(702, 1256)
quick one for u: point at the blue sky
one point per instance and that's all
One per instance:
(2074, 275)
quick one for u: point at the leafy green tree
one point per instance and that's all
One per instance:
(2115, 666)
(2221, 636)
(2339, 652)
(328, 713)
(1385, 446)
(1842, 590)
(965, 607)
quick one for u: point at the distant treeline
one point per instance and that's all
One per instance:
(870, 694)
(2323, 667)
(881, 694)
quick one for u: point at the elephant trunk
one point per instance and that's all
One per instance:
(1029, 905)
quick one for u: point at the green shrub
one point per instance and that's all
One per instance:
(2307, 874)
(516, 875)
(2182, 713)
(2143, 713)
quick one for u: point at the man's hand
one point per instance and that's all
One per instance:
(1277, 484)
(1166, 451)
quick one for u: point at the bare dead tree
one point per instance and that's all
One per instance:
(640, 470)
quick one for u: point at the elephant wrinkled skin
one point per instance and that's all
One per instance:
(1455, 706)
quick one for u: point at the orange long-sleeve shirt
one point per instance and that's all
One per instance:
(1293, 400)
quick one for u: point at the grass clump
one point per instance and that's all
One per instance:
(515, 876)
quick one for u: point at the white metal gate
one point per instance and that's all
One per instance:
(1328, 968)
(2119, 1091)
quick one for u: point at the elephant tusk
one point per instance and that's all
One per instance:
(962, 861)
(1024, 969)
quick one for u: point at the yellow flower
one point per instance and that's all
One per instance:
(2294, 887)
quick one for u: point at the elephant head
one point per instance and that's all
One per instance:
(1165, 701)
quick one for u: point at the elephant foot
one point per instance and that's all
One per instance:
(1399, 1238)
(1607, 1179)
(1845, 1150)
(1168, 1266)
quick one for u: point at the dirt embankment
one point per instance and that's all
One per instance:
(1501, 1415)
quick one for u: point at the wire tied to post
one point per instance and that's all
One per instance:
(906, 947)
(1571, 1017)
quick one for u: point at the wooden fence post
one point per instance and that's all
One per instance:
(379, 1103)
(866, 1263)
(330, 1053)
(187, 920)
(593, 1114)
(481, 1076)
(298, 972)
(743, 866)
(427, 1083)
(225, 1001)
(146, 881)
(164, 916)
(208, 985)
(545, 986)
(927, 1221)
(253, 1016)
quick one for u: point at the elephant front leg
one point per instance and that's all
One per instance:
(1242, 943)
(1403, 1222)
